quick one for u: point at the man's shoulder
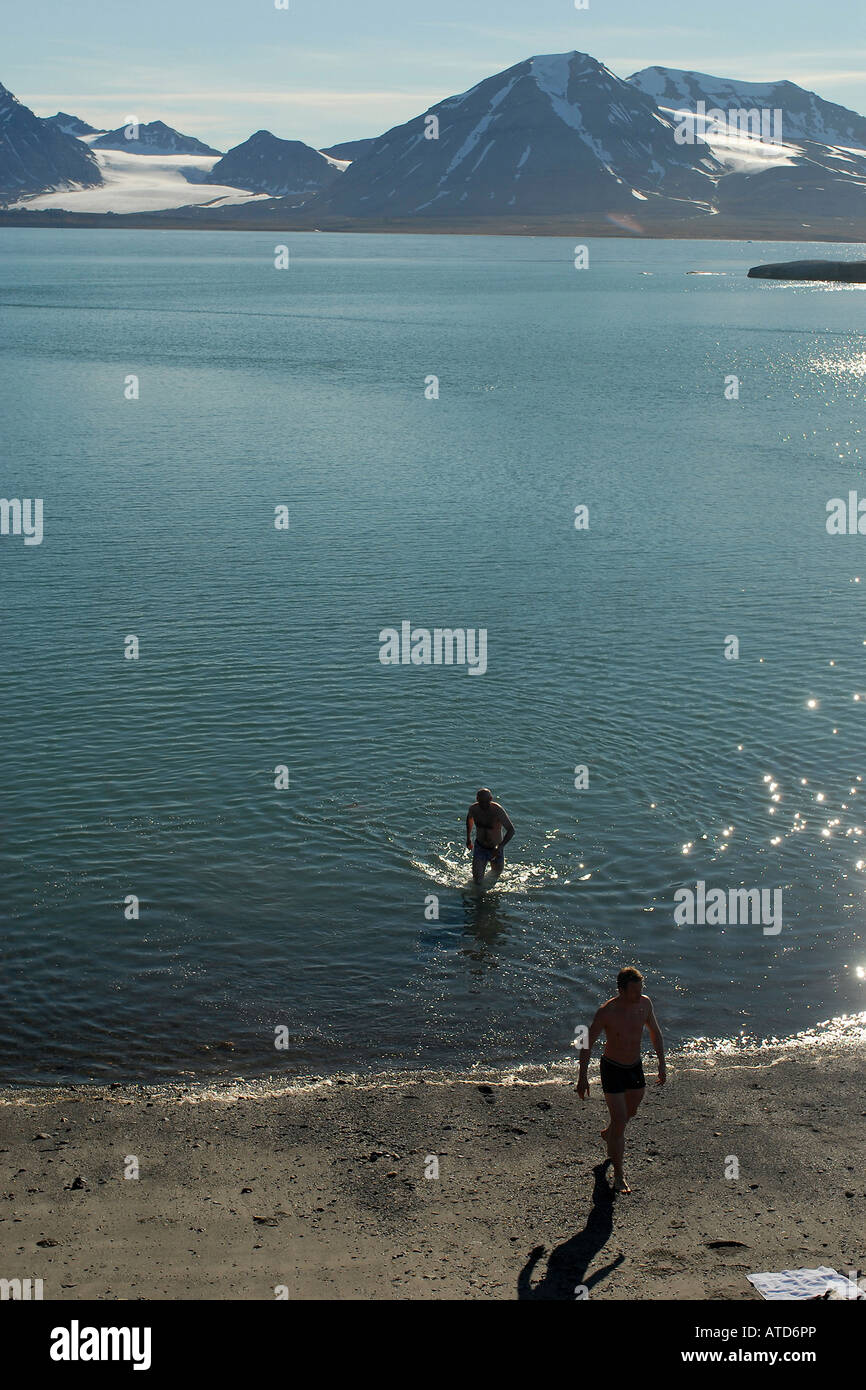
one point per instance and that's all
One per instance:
(608, 1002)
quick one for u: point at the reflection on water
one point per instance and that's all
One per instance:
(839, 365)
(486, 918)
(846, 1030)
(305, 908)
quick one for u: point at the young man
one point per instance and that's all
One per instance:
(623, 1020)
(489, 819)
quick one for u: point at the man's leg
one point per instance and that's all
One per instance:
(615, 1136)
(479, 864)
(633, 1100)
(497, 864)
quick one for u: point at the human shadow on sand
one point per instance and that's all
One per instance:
(568, 1263)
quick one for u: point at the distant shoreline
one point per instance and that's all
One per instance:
(700, 229)
(845, 1033)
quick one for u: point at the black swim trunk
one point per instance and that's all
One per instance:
(482, 855)
(616, 1078)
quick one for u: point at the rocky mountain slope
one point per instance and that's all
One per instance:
(266, 164)
(35, 154)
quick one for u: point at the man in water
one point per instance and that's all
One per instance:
(489, 819)
(623, 1020)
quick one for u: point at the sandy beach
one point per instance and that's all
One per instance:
(322, 1190)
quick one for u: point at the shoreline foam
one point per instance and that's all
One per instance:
(833, 1036)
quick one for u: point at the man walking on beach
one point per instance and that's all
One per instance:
(623, 1020)
(489, 819)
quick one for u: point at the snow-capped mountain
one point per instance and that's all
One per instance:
(805, 115)
(70, 125)
(281, 168)
(554, 140)
(813, 167)
(155, 137)
(36, 155)
(553, 135)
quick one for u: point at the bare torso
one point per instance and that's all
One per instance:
(489, 821)
(623, 1028)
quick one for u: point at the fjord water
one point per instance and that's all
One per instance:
(305, 907)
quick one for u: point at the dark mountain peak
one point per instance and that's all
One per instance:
(267, 164)
(70, 125)
(266, 140)
(153, 137)
(556, 133)
(35, 155)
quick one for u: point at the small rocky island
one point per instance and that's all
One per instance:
(851, 272)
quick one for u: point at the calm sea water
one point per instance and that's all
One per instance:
(305, 907)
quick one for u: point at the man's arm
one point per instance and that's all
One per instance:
(585, 1052)
(469, 824)
(505, 823)
(652, 1026)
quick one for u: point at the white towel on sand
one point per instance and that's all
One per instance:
(803, 1283)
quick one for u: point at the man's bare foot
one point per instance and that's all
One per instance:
(620, 1184)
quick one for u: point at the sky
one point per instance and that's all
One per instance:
(322, 71)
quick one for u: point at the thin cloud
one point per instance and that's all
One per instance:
(221, 100)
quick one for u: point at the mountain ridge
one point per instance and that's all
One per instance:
(551, 138)
(153, 137)
(35, 155)
(70, 125)
(805, 114)
(506, 140)
(266, 164)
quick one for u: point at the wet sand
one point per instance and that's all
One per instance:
(322, 1190)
